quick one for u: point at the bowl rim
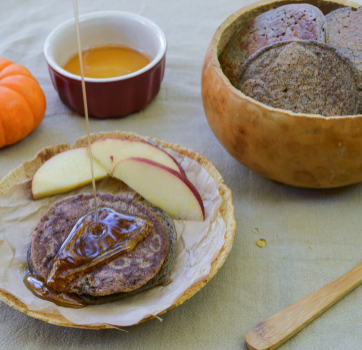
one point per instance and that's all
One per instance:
(217, 66)
(92, 15)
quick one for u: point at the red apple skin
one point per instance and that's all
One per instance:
(182, 177)
(182, 171)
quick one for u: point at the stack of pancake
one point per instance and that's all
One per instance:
(295, 58)
(148, 265)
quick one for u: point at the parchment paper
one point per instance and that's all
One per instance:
(198, 244)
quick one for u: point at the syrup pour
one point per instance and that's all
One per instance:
(85, 104)
(97, 237)
(92, 244)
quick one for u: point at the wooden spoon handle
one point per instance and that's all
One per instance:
(277, 329)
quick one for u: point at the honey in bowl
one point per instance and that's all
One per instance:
(108, 61)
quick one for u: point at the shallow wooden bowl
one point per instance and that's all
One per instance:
(27, 169)
(303, 150)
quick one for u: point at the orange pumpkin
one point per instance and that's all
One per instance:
(22, 102)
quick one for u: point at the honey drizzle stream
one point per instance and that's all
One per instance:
(85, 104)
(96, 238)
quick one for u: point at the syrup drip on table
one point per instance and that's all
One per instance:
(261, 243)
(92, 244)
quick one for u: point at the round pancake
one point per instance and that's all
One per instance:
(288, 22)
(162, 277)
(345, 28)
(127, 272)
(302, 76)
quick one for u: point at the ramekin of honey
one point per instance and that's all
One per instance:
(123, 58)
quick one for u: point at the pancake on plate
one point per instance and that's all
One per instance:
(148, 265)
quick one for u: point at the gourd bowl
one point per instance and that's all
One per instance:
(303, 150)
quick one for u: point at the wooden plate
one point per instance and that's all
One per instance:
(28, 168)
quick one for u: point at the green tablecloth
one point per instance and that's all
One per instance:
(254, 283)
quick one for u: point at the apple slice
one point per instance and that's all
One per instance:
(109, 152)
(65, 172)
(162, 186)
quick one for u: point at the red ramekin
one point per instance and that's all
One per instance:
(111, 97)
